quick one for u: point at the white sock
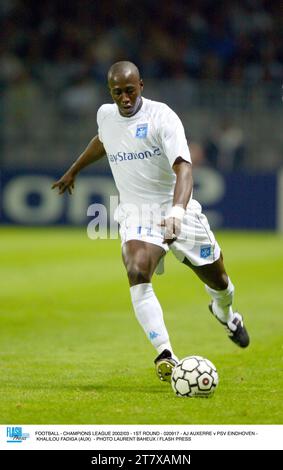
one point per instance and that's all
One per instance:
(222, 302)
(149, 315)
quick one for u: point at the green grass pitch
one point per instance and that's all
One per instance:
(72, 351)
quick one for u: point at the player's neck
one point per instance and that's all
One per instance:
(136, 111)
(139, 105)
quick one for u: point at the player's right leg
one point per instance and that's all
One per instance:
(141, 259)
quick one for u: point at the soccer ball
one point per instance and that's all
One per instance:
(194, 376)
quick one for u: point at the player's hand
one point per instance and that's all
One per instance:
(172, 227)
(66, 182)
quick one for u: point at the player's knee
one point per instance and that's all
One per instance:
(138, 274)
(221, 282)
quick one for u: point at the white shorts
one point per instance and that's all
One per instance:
(196, 241)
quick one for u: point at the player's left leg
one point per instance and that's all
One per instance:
(197, 248)
(221, 290)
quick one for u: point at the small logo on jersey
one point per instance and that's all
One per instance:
(141, 131)
(205, 251)
(153, 335)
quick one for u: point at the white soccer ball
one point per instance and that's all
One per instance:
(194, 376)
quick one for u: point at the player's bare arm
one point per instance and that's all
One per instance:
(182, 193)
(93, 152)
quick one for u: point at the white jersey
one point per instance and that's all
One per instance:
(141, 151)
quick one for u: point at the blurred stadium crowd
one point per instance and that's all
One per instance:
(226, 58)
(237, 41)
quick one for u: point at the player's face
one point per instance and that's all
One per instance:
(126, 92)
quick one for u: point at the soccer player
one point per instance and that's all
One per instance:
(146, 147)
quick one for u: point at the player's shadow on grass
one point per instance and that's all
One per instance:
(132, 387)
(102, 387)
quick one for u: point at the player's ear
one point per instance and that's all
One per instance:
(109, 87)
(141, 84)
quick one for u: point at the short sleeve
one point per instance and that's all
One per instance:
(99, 119)
(173, 137)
